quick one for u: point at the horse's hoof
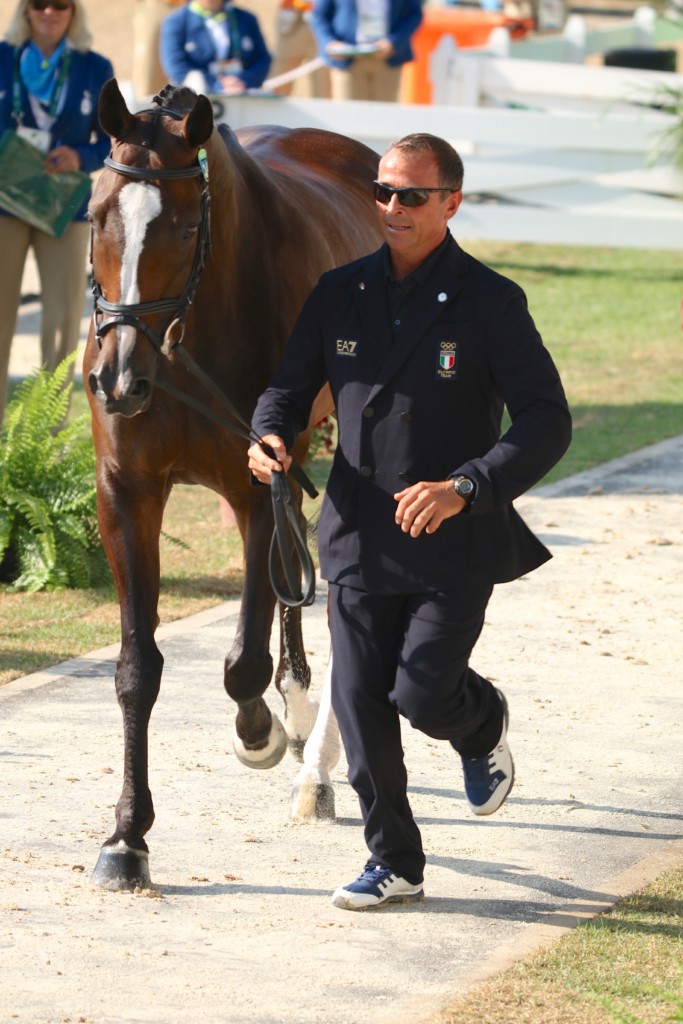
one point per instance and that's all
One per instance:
(296, 748)
(313, 801)
(122, 868)
(268, 756)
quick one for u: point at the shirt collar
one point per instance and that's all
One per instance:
(419, 276)
(197, 8)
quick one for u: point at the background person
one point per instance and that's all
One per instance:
(385, 25)
(295, 45)
(422, 346)
(50, 83)
(148, 74)
(214, 47)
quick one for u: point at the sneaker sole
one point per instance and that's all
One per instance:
(409, 897)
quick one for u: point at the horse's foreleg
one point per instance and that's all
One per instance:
(313, 793)
(130, 524)
(293, 678)
(259, 739)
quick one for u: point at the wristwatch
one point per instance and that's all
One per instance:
(465, 488)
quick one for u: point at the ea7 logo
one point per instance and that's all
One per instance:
(346, 347)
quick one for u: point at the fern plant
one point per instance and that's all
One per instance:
(49, 538)
(670, 100)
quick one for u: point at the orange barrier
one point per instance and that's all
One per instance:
(469, 27)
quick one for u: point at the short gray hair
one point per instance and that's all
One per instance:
(448, 160)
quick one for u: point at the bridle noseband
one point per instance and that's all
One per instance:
(129, 313)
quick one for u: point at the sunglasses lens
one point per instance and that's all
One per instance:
(406, 196)
(413, 197)
(57, 5)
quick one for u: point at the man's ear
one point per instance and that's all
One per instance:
(453, 201)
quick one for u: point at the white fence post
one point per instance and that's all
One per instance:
(498, 42)
(644, 20)
(455, 81)
(574, 35)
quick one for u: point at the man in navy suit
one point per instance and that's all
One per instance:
(422, 346)
(365, 43)
(213, 46)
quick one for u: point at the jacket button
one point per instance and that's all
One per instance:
(406, 417)
(368, 412)
(366, 471)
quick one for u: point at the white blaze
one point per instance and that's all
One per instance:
(139, 204)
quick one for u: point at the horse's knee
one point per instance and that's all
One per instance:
(138, 679)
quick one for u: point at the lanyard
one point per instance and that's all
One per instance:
(235, 41)
(17, 102)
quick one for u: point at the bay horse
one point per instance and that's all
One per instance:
(205, 243)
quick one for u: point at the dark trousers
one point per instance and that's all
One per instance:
(406, 654)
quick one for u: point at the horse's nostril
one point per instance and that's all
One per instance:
(140, 388)
(93, 382)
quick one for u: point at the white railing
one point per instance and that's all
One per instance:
(555, 151)
(530, 176)
(467, 77)
(575, 42)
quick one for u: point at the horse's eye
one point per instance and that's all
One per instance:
(191, 230)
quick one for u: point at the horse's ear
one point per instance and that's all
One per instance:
(199, 124)
(115, 118)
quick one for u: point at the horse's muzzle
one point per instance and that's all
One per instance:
(126, 395)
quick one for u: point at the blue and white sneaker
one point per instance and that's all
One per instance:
(375, 886)
(488, 780)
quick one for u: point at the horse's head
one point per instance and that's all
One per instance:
(150, 234)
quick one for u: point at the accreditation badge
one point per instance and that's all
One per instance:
(36, 136)
(447, 360)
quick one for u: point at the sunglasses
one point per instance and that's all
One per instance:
(57, 5)
(406, 196)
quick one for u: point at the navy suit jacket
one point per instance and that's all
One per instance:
(338, 19)
(186, 45)
(77, 124)
(427, 408)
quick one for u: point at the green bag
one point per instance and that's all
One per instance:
(47, 201)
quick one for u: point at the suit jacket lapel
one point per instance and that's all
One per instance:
(371, 298)
(435, 299)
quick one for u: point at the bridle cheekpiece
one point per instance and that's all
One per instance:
(118, 313)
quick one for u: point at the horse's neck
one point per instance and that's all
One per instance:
(245, 214)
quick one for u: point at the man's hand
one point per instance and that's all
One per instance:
(383, 50)
(261, 465)
(424, 506)
(62, 159)
(232, 85)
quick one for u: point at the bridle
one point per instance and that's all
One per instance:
(129, 314)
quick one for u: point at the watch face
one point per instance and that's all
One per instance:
(464, 488)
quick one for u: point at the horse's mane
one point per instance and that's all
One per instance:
(175, 97)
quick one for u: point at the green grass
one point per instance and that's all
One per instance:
(625, 966)
(611, 319)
